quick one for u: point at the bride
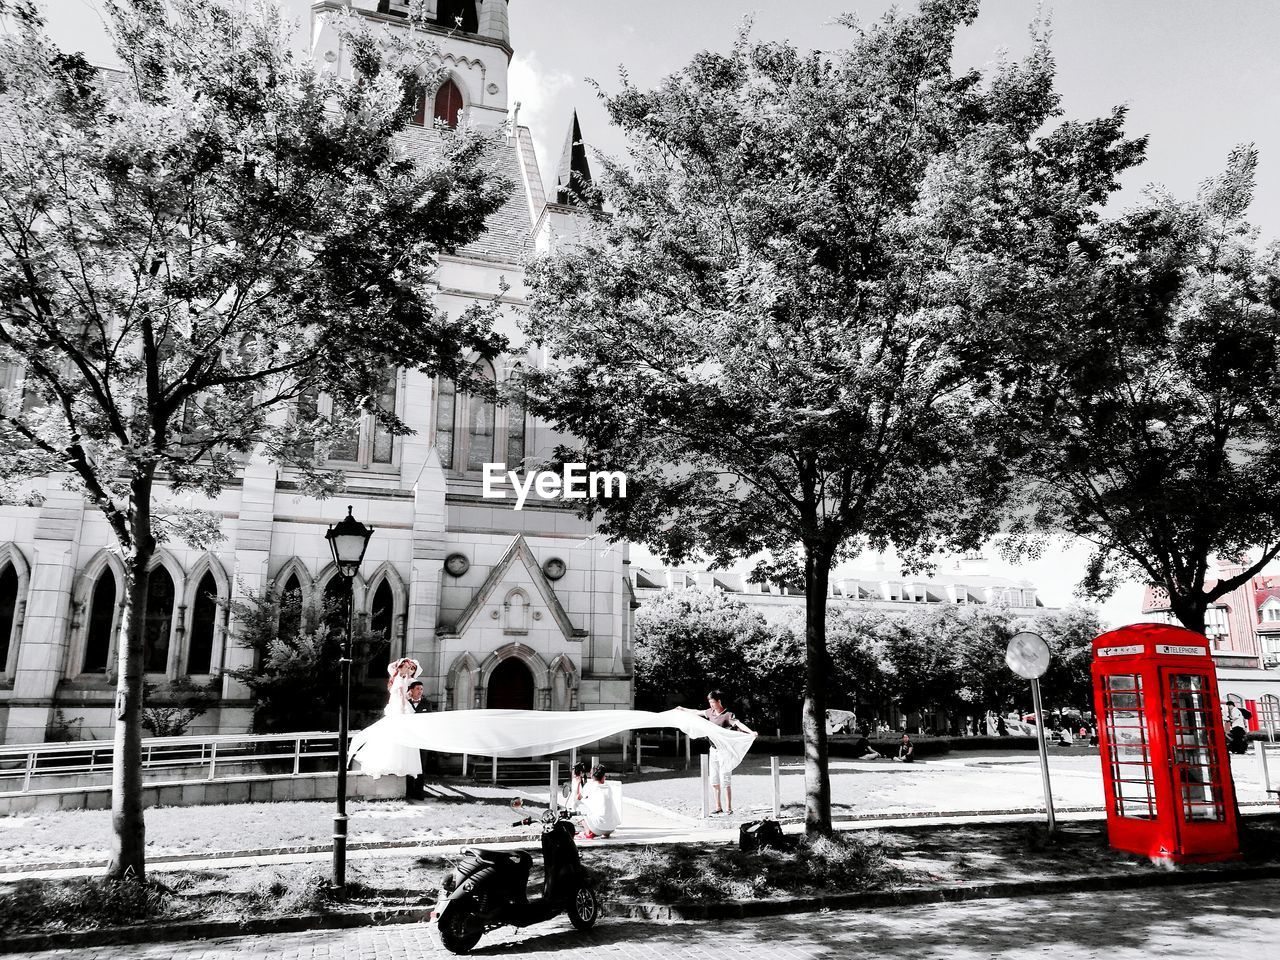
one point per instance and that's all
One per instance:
(385, 758)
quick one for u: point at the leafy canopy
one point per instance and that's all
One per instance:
(1151, 430)
(190, 245)
(783, 328)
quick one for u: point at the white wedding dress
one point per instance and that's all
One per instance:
(386, 757)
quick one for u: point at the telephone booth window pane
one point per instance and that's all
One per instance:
(1269, 712)
(1195, 757)
(1133, 787)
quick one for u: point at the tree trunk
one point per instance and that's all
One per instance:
(1190, 613)
(128, 840)
(817, 780)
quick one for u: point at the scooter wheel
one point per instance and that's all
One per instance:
(454, 934)
(584, 909)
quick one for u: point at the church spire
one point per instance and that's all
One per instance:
(573, 176)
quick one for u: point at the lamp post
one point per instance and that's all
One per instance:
(348, 541)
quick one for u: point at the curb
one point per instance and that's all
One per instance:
(916, 896)
(735, 910)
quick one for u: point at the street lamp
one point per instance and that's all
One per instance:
(348, 541)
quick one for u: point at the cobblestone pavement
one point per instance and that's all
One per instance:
(1193, 922)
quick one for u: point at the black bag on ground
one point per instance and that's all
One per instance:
(759, 834)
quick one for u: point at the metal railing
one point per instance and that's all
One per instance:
(56, 768)
(62, 767)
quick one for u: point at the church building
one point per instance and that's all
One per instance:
(503, 608)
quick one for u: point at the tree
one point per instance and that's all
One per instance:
(922, 663)
(690, 641)
(296, 676)
(782, 331)
(855, 645)
(1152, 428)
(1070, 632)
(190, 251)
(982, 637)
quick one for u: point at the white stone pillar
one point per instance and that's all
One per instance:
(425, 575)
(42, 653)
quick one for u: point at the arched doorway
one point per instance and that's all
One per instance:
(510, 686)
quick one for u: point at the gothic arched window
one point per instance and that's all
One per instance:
(158, 622)
(381, 624)
(381, 612)
(446, 416)
(448, 107)
(204, 620)
(290, 608)
(515, 421)
(102, 619)
(458, 15)
(8, 611)
(516, 612)
(336, 592)
(468, 431)
(481, 421)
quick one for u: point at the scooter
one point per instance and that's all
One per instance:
(489, 888)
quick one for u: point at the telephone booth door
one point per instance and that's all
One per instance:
(1196, 741)
(1128, 771)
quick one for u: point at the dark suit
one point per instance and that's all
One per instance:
(414, 788)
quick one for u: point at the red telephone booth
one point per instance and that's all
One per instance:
(1164, 753)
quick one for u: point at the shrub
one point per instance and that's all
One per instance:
(82, 904)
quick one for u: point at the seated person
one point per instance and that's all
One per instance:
(598, 806)
(863, 750)
(569, 792)
(906, 750)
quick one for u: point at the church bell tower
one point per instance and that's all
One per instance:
(474, 38)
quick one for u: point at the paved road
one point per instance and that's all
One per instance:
(1221, 920)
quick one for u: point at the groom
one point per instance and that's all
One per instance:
(414, 789)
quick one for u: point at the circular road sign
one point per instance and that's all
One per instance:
(1027, 655)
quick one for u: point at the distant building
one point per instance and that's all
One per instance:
(964, 583)
(1243, 628)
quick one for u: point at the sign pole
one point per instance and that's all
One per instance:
(1028, 656)
(1044, 751)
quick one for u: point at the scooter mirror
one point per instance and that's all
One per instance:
(517, 803)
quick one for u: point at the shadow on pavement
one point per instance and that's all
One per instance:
(1144, 921)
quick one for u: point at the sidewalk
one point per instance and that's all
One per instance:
(1187, 923)
(913, 863)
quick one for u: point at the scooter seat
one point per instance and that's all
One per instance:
(517, 857)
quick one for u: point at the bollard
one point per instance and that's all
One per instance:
(706, 786)
(555, 786)
(777, 791)
(1261, 751)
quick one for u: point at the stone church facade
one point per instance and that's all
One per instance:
(504, 608)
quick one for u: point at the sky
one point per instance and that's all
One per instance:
(1198, 77)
